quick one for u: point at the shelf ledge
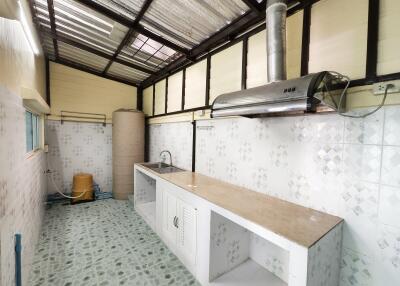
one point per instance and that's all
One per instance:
(34, 101)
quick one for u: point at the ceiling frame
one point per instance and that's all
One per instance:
(226, 34)
(129, 23)
(254, 5)
(50, 6)
(222, 38)
(253, 16)
(97, 52)
(129, 34)
(87, 69)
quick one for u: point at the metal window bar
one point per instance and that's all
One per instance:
(153, 54)
(65, 115)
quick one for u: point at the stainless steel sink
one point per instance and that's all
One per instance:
(163, 168)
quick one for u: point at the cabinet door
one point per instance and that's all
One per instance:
(169, 217)
(187, 232)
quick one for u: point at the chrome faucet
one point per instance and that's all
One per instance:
(163, 157)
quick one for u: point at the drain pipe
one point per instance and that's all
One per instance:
(18, 250)
(276, 39)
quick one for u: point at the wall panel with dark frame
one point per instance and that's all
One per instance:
(372, 50)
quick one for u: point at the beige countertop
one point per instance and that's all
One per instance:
(299, 224)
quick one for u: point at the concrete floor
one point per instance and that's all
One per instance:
(103, 243)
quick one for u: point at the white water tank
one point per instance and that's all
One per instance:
(128, 149)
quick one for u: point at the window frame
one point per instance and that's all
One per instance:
(36, 132)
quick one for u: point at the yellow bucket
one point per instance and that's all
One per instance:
(82, 188)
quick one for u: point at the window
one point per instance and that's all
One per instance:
(32, 122)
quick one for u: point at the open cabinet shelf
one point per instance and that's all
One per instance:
(240, 257)
(145, 198)
(148, 212)
(248, 273)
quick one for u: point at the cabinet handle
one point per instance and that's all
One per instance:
(174, 221)
(177, 222)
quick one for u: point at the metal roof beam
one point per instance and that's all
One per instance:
(50, 6)
(128, 35)
(129, 23)
(224, 35)
(253, 5)
(87, 69)
(97, 52)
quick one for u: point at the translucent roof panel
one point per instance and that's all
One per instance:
(127, 8)
(148, 53)
(191, 22)
(127, 73)
(82, 57)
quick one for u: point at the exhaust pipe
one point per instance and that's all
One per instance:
(276, 39)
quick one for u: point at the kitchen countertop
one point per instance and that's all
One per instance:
(299, 224)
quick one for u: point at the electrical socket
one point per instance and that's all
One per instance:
(380, 87)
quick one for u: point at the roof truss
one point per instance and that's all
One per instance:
(137, 54)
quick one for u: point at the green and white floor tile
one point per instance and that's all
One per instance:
(103, 243)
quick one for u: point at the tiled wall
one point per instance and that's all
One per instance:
(79, 147)
(342, 166)
(22, 189)
(175, 137)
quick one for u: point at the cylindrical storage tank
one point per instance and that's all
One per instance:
(128, 149)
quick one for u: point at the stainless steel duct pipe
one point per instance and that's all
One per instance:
(276, 39)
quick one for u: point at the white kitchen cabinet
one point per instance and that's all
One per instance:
(187, 232)
(180, 227)
(230, 240)
(169, 228)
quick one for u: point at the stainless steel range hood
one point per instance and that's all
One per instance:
(304, 94)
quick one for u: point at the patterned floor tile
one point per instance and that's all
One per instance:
(103, 243)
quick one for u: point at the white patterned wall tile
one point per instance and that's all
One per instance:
(79, 147)
(271, 257)
(325, 162)
(300, 188)
(328, 158)
(175, 137)
(229, 245)
(392, 126)
(360, 201)
(364, 130)
(355, 269)
(387, 263)
(362, 162)
(324, 259)
(318, 128)
(22, 189)
(391, 166)
(389, 206)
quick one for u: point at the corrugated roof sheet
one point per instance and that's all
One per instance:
(76, 55)
(196, 20)
(92, 39)
(127, 8)
(127, 73)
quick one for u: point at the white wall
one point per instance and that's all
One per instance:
(22, 189)
(22, 179)
(175, 137)
(76, 147)
(78, 91)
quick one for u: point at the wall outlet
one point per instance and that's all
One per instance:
(380, 87)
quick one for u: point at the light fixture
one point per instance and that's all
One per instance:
(27, 30)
